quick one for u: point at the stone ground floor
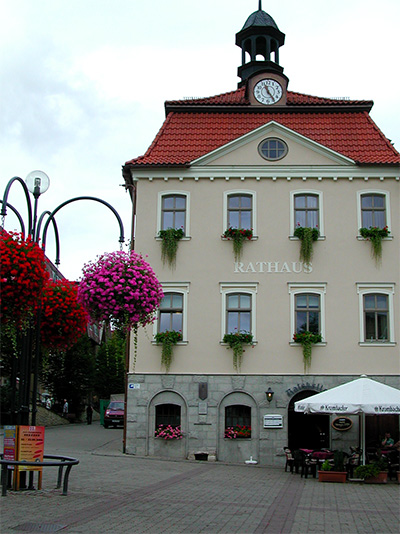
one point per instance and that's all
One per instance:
(258, 409)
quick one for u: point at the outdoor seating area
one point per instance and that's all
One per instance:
(308, 461)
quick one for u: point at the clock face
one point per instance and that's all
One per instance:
(268, 91)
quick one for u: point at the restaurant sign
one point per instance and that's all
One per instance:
(342, 424)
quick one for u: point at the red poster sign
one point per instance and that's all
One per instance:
(30, 446)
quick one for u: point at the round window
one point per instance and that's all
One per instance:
(273, 149)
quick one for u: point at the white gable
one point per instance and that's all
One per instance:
(301, 150)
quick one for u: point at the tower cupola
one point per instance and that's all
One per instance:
(260, 40)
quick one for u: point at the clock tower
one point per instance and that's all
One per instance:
(260, 40)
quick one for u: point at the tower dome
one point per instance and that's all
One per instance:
(259, 39)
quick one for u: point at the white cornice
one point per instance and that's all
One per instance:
(301, 172)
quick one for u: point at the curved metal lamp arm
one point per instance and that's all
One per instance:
(21, 222)
(56, 234)
(121, 226)
(3, 212)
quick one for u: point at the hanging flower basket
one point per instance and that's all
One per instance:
(64, 320)
(169, 244)
(168, 432)
(168, 339)
(121, 289)
(307, 340)
(375, 235)
(23, 275)
(307, 237)
(238, 236)
(236, 341)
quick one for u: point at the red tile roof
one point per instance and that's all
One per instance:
(341, 125)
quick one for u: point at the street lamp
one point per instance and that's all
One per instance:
(37, 183)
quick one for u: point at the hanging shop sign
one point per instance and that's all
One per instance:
(342, 423)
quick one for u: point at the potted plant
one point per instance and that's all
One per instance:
(169, 244)
(237, 432)
(238, 236)
(307, 236)
(335, 472)
(168, 339)
(236, 341)
(168, 432)
(307, 340)
(375, 235)
(373, 473)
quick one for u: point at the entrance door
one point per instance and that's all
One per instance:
(307, 431)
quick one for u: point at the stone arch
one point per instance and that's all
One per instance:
(172, 448)
(238, 450)
(308, 431)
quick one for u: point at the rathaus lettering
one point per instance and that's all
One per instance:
(273, 267)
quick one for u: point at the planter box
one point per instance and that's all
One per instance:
(332, 476)
(380, 479)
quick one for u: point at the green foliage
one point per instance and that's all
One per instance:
(238, 236)
(338, 460)
(236, 341)
(168, 339)
(375, 235)
(70, 374)
(307, 340)
(169, 244)
(307, 236)
(110, 366)
(326, 466)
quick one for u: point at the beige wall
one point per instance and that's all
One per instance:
(205, 260)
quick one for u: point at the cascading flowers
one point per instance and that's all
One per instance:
(23, 275)
(238, 236)
(121, 289)
(64, 320)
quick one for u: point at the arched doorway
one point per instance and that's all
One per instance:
(307, 431)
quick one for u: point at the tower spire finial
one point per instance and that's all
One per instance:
(259, 5)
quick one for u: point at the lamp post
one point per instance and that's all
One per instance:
(36, 183)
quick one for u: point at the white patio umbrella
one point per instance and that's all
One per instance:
(361, 396)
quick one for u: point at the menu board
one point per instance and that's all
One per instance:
(30, 446)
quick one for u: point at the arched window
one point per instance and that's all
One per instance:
(168, 415)
(237, 421)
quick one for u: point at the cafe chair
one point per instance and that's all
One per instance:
(289, 459)
(309, 464)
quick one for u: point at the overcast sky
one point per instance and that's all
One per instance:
(83, 85)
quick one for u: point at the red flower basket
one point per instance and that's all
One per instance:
(23, 275)
(64, 320)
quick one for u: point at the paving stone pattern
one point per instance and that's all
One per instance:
(114, 493)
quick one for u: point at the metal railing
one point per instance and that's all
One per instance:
(59, 461)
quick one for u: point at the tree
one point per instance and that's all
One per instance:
(110, 366)
(69, 374)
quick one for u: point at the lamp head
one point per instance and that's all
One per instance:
(37, 182)
(269, 393)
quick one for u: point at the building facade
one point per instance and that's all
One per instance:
(282, 169)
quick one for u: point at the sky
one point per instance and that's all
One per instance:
(83, 86)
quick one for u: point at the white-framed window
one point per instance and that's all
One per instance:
(240, 210)
(376, 313)
(307, 308)
(307, 210)
(173, 211)
(373, 209)
(172, 313)
(238, 307)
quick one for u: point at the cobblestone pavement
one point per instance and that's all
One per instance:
(114, 493)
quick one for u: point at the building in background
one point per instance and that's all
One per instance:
(283, 167)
